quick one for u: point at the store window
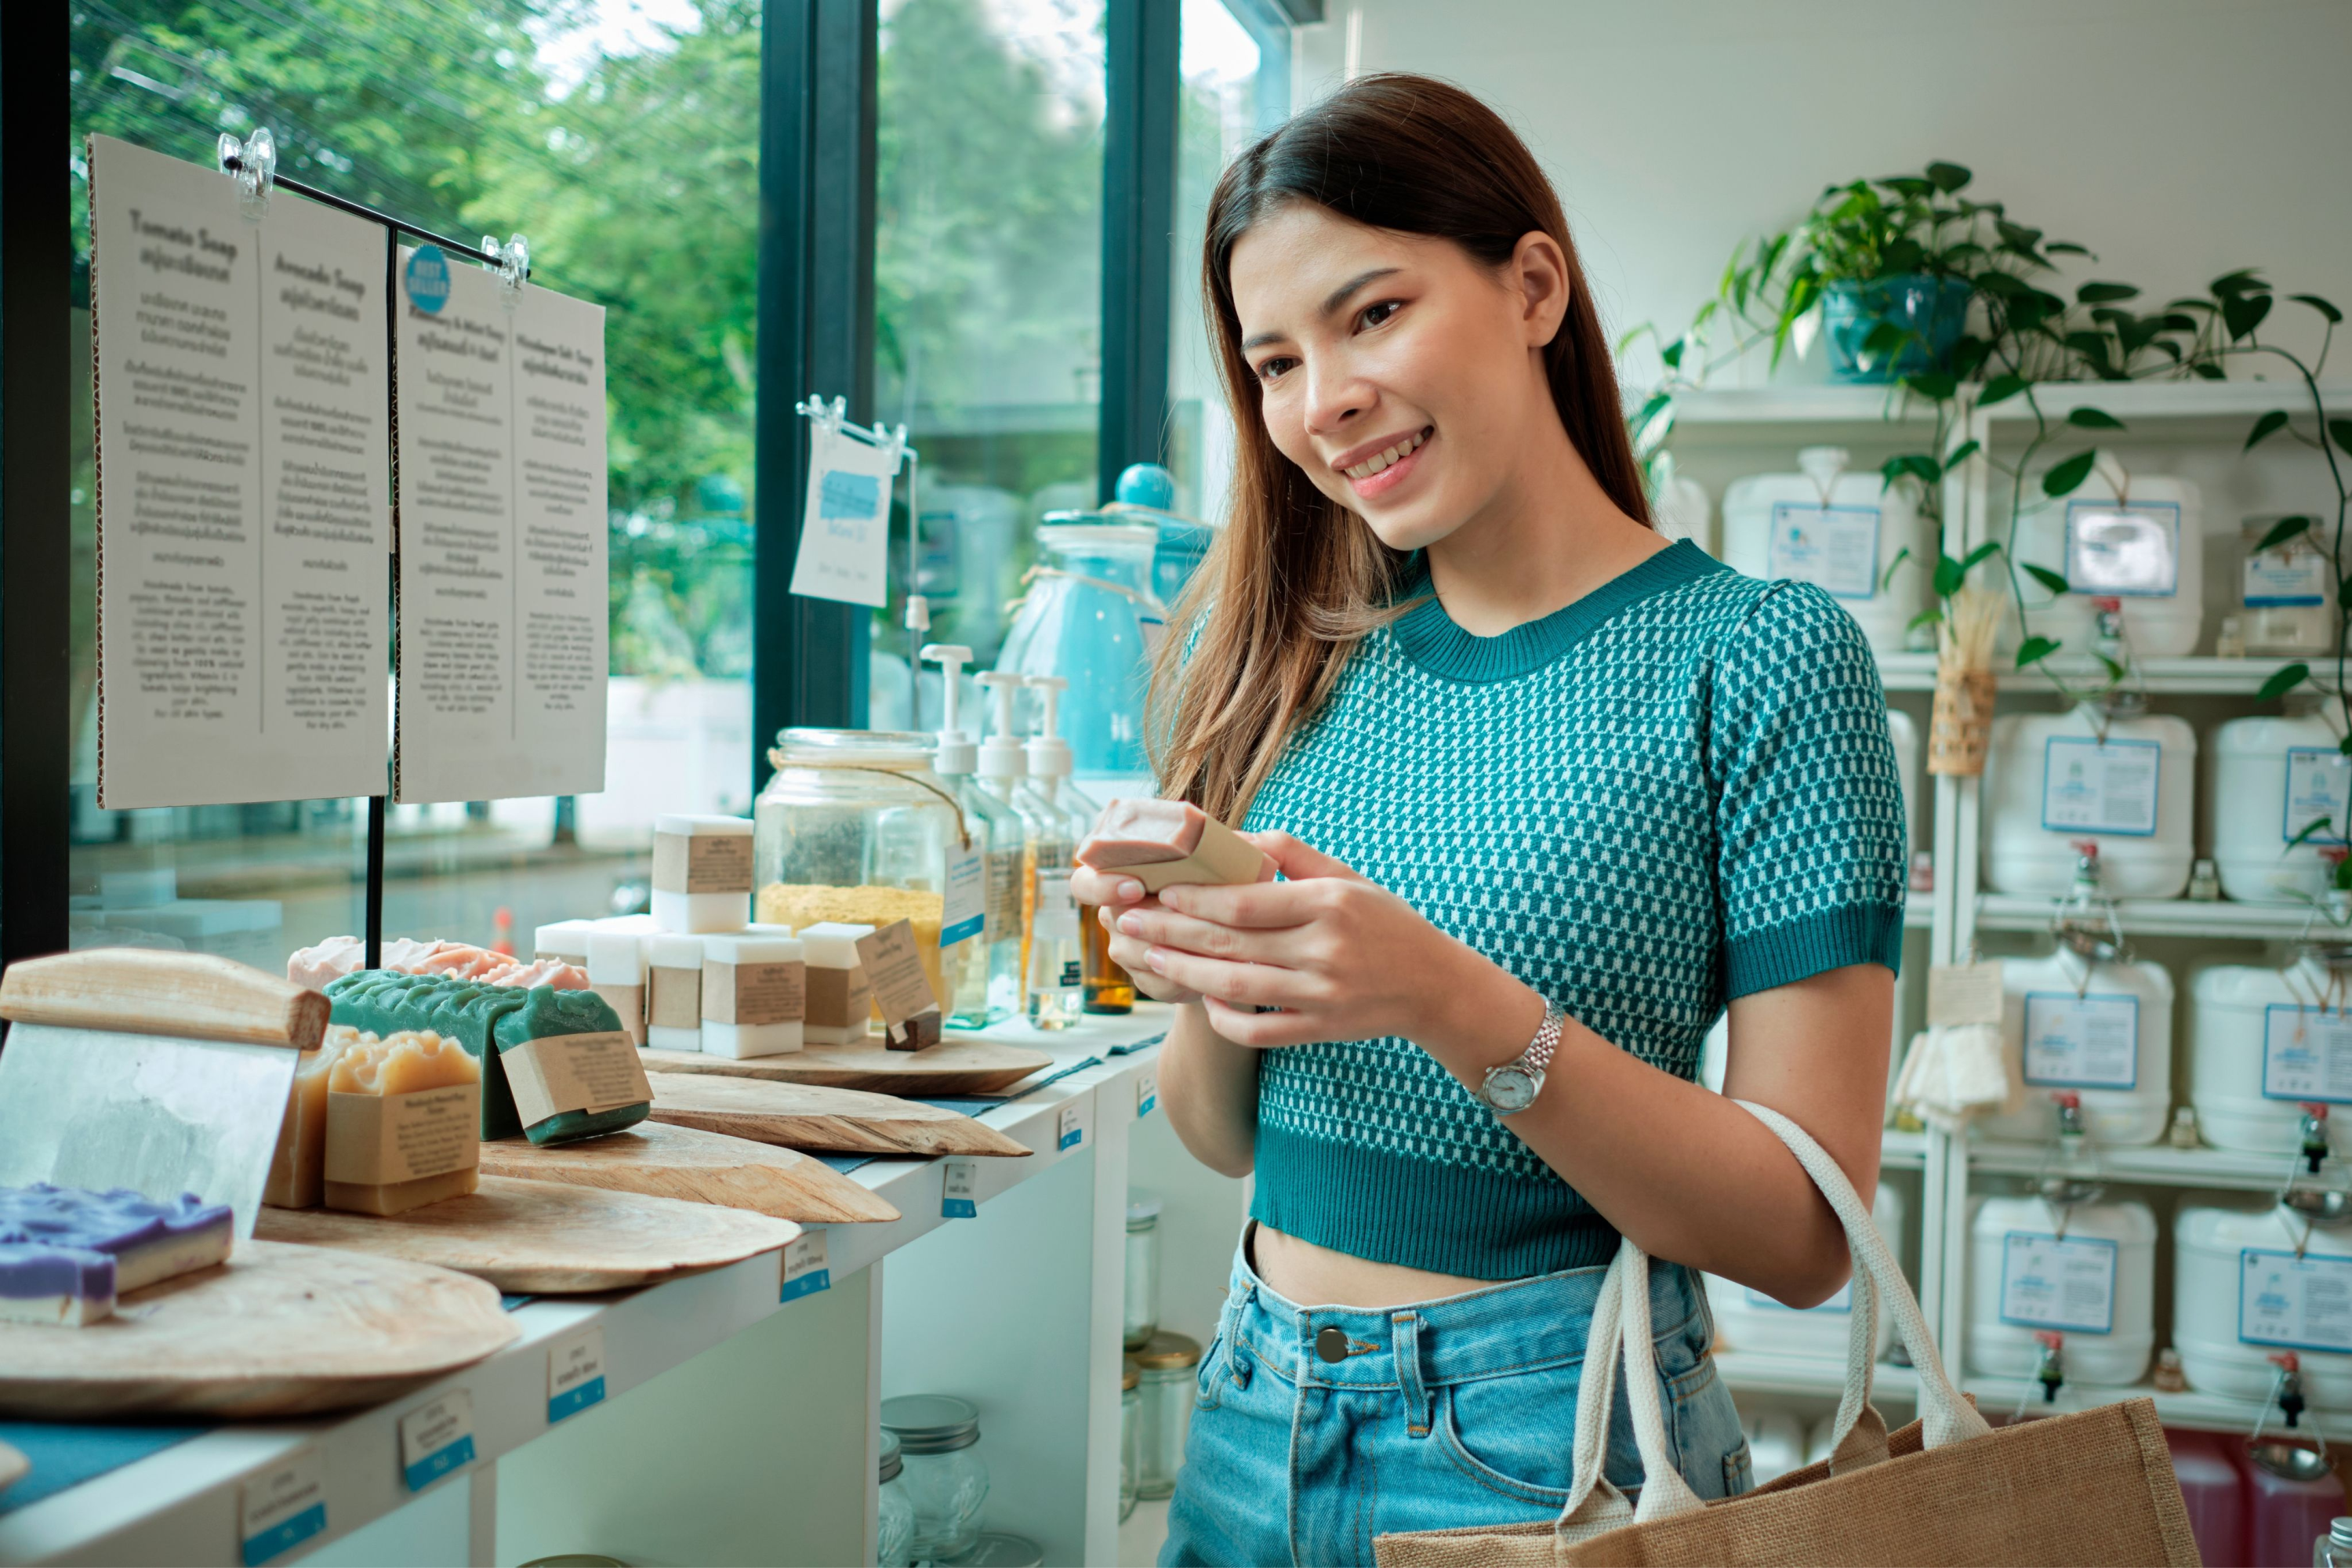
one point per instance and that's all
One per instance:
(1235, 64)
(621, 137)
(988, 286)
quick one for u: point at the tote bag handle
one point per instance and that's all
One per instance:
(1620, 1325)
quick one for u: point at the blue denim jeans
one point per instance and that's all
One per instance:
(1455, 1412)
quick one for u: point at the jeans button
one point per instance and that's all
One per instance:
(1331, 1343)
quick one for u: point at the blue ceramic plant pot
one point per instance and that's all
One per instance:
(1936, 308)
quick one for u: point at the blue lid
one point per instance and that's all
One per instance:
(1147, 484)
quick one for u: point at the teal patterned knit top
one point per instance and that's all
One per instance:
(1675, 792)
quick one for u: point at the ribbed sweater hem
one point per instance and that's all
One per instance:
(1419, 1214)
(1814, 944)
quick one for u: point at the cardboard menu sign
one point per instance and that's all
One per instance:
(902, 989)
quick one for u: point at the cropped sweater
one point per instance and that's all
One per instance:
(1677, 791)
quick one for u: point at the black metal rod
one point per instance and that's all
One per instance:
(360, 210)
(375, 881)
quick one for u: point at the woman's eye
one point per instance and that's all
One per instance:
(1377, 315)
(1269, 369)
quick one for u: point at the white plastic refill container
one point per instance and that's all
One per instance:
(754, 990)
(2099, 1029)
(2087, 1272)
(1905, 736)
(1749, 1319)
(2136, 537)
(564, 940)
(1682, 510)
(2263, 1043)
(2250, 1283)
(2271, 779)
(840, 1000)
(702, 873)
(2287, 591)
(1845, 533)
(2120, 778)
(616, 971)
(673, 992)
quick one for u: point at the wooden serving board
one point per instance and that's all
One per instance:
(697, 1167)
(544, 1238)
(949, 1068)
(803, 1116)
(275, 1332)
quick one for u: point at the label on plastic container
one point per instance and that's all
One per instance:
(2318, 785)
(2080, 1042)
(2049, 1283)
(2303, 1303)
(959, 1190)
(2306, 1054)
(575, 1374)
(283, 1507)
(1835, 548)
(964, 913)
(2088, 787)
(1841, 1303)
(2293, 576)
(436, 1438)
(2124, 549)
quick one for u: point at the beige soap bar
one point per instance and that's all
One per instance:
(298, 1169)
(1162, 842)
(403, 1116)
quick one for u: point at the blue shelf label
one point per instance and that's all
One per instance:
(960, 1194)
(436, 1438)
(575, 1374)
(282, 1507)
(805, 1273)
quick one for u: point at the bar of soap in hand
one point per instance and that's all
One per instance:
(403, 1117)
(1164, 842)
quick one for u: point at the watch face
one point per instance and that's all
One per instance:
(1511, 1089)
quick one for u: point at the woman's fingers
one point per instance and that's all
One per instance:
(1163, 927)
(1261, 1031)
(1259, 906)
(1242, 984)
(1109, 888)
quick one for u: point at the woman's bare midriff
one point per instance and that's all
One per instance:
(1306, 1275)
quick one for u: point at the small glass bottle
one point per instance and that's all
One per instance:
(1109, 988)
(1056, 963)
(1143, 1315)
(945, 1478)
(988, 979)
(2333, 1550)
(1130, 1434)
(1169, 1365)
(894, 1525)
(1003, 768)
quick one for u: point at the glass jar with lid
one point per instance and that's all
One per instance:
(945, 1478)
(855, 826)
(1143, 1315)
(1169, 1365)
(1130, 1434)
(893, 1525)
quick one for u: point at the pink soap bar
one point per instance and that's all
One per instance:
(1141, 832)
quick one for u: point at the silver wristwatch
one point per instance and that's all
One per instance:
(1511, 1088)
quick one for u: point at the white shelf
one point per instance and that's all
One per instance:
(1902, 1150)
(1826, 404)
(2167, 402)
(2157, 1164)
(2215, 917)
(1762, 1372)
(2197, 677)
(180, 1505)
(2200, 1412)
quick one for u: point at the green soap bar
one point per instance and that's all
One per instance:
(383, 1002)
(547, 1011)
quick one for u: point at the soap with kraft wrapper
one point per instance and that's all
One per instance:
(1163, 843)
(403, 1114)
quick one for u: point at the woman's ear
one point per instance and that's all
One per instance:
(1539, 272)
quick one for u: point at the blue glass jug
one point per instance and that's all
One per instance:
(1090, 616)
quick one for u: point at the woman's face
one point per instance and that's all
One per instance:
(1400, 375)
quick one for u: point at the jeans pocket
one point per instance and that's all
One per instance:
(1516, 1434)
(1709, 1443)
(1738, 1470)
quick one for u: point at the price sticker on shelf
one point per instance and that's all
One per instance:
(964, 905)
(959, 1195)
(2303, 1303)
(2089, 786)
(283, 1507)
(2080, 1042)
(575, 1374)
(1069, 1131)
(805, 1271)
(2049, 1282)
(436, 1438)
(1147, 1093)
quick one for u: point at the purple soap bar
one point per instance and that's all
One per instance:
(44, 1284)
(149, 1241)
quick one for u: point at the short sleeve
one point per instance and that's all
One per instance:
(1810, 841)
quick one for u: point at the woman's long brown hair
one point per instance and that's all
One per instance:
(1296, 580)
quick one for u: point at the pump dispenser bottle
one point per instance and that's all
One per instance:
(1004, 767)
(987, 982)
(1057, 964)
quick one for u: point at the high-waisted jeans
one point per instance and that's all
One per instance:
(1455, 1412)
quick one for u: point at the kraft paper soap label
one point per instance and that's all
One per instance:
(702, 862)
(2302, 1303)
(837, 998)
(2050, 1283)
(375, 1139)
(754, 993)
(2306, 1054)
(894, 966)
(556, 1073)
(628, 1002)
(1963, 993)
(2080, 1042)
(674, 999)
(281, 1508)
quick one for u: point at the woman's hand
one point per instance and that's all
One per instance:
(1341, 958)
(1113, 893)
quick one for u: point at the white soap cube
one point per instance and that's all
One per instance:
(566, 940)
(832, 945)
(674, 992)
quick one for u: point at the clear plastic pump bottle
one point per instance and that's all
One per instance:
(1056, 967)
(1004, 767)
(988, 986)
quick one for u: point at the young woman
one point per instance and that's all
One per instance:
(1547, 794)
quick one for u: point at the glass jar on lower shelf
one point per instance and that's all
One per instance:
(893, 1525)
(1169, 1366)
(1130, 1434)
(945, 1478)
(1143, 1315)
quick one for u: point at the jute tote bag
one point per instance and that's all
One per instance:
(1947, 1490)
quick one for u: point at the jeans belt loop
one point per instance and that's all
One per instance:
(1405, 1337)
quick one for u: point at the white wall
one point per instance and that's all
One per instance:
(2177, 139)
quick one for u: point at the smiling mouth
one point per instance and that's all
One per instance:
(1390, 456)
